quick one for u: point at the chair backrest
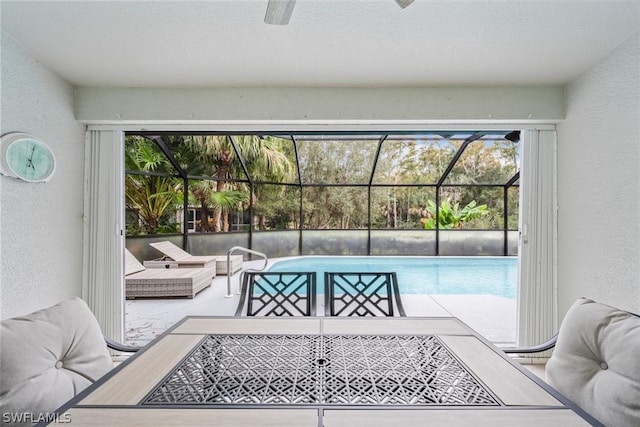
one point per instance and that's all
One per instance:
(131, 263)
(49, 356)
(278, 294)
(171, 250)
(362, 294)
(595, 362)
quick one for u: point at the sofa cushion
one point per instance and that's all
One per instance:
(49, 356)
(596, 363)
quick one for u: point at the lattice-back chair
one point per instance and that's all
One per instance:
(362, 294)
(268, 293)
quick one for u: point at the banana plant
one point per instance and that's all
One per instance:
(450, 217)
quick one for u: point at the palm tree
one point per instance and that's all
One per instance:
(264, 158)
(149, 195)
(205, 195)
(200, 192)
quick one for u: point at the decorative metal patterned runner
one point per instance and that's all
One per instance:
(320, 370)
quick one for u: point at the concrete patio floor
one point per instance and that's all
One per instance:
(491, 316)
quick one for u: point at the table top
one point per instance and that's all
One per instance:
(327, 371)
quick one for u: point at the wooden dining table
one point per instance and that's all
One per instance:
(321, 371)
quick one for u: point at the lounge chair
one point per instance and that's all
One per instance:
(185, 259)
(362, 294)
(163, 282)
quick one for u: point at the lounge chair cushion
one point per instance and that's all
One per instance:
(49, 356)
(595, 362)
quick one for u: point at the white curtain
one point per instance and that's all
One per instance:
(103, 254)
(537, 320)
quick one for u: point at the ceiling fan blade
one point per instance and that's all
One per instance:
(279, 12)
(404, 3)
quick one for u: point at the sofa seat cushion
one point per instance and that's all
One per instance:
(596, 362)
(49, 356)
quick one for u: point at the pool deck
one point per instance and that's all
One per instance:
(492, 316)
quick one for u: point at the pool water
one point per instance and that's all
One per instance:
(422, 275)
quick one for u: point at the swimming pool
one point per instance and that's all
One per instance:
(422, 275)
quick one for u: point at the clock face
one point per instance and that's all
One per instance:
(26, 157)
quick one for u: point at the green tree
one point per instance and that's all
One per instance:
(270, 159)
(327, 168)
(205, 195)
(485, 164)
(263, 157)
(154, 198)
(452, 216)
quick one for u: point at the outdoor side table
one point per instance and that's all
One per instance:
(160, 264)
(169, 263)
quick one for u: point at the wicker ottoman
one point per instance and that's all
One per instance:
(172, 282)
(169, 263)
(221, 264)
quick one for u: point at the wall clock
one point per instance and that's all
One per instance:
(26, 157)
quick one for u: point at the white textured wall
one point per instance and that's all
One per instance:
(599, 183)
(41, 224)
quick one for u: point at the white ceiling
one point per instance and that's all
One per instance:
(327, 43)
